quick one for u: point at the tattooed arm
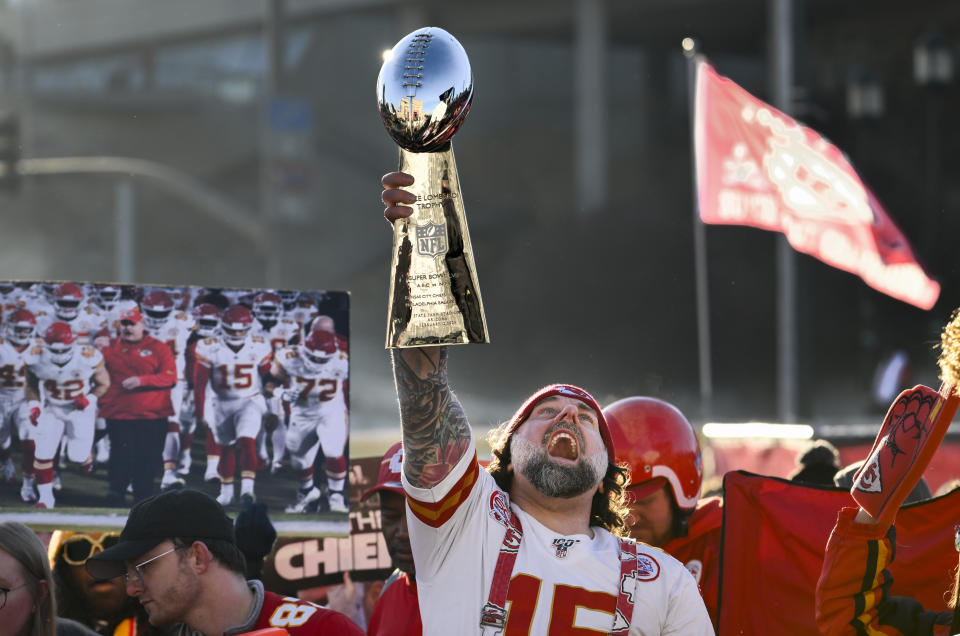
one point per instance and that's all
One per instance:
(435, 429)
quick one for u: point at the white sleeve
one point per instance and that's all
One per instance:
(448, 515)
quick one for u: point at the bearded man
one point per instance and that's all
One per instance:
(531, 546)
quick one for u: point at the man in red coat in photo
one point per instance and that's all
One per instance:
(136, 408)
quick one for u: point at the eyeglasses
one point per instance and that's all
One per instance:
(6, 590)
(137, 577)
(80, 547)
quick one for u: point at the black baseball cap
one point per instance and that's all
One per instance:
(174, 513)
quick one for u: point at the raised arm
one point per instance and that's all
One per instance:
(435, 429)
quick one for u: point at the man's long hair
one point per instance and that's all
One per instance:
(608, 508)
(955, 602)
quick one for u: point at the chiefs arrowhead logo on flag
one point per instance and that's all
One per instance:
(757, 166)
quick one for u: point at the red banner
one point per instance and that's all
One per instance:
(774, 536)
(757, 166)
(778, 458)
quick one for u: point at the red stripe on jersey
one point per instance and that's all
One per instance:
(437, 513)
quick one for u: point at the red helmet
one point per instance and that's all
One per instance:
(157, 307)
(236, 323)
(21, 325)
(207, 317)
(319, 347)
(267, 306)
(66, 300)
(59, 339)
(656, 441)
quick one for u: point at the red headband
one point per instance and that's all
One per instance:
(566, 390)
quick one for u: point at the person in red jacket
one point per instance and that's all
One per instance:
(658, 443)
(397, 611)
(136, 408)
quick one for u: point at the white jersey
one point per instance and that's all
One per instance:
(59, 385)
(88, 323)
(13, 365)
(279, 334)
(320, 390)
(234, 374)
(175, 332)
(558, 584)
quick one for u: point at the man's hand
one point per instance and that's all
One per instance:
(131, 383)
(81, 402)
(395, 199)
(270, 422)
(34, 413)
(291, 395)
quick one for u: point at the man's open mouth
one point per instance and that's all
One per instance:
(564, 445)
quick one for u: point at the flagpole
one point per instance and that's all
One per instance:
(699, 247)
(781, 55)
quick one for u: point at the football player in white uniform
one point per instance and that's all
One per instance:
(106, 296)
(20, 329)
(64, 380)
(289, 298)
(313, 374)
(85, 319)
(172, 328)
(279, 332)
(536, 535)
(206, 317)
(234, 365)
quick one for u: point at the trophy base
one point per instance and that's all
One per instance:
(434, 295)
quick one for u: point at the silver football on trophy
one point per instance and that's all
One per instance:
(424, 89)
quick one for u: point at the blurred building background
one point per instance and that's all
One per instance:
(259, 123)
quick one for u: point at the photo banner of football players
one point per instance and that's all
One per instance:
(111, 393)
(304, 563)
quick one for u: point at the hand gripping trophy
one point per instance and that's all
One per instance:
(424, 92)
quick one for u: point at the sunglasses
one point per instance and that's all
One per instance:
(80, 547)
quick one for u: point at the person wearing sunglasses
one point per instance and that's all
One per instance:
(27, 605)
(179, 557)
(102, 605)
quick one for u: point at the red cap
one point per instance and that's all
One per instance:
(566, 390)
(388, 477)
(133, 315)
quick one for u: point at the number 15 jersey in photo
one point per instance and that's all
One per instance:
(235, 374)
(559, 584)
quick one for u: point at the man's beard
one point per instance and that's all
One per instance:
(552, 478)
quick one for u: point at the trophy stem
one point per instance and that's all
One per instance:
(434, 295)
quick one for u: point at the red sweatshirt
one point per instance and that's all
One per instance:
(152, 362)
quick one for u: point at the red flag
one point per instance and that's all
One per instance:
(757, 166)
(774, 537)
